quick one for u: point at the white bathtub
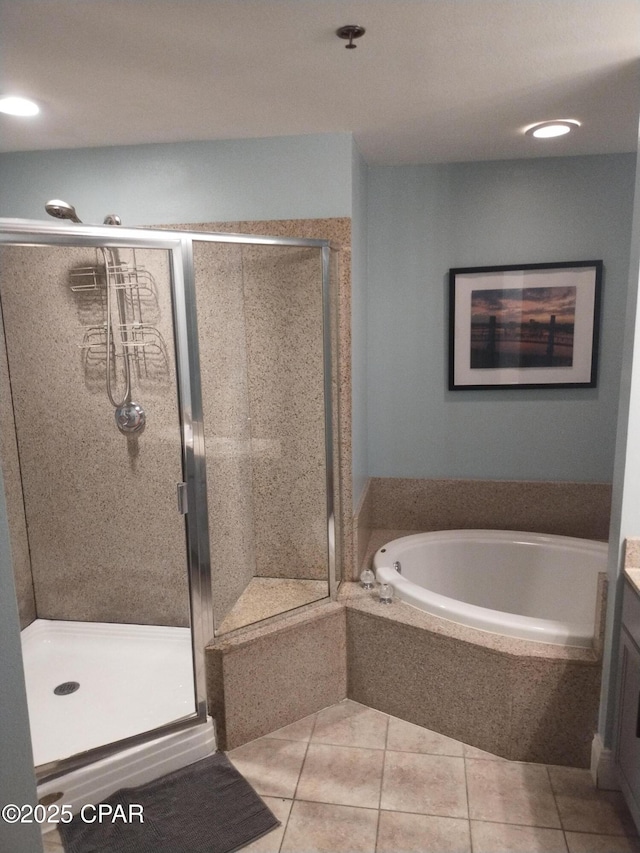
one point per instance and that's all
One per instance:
(528, 585)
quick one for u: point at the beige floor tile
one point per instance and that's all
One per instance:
(399, 832)
(474, 752)
(572, 780)
(584, 808)
(587, 842)
(324, 828)
(270, 843)
(506, 838)
(425, 784)
(300, 730)
(405, 737)
(510, 793)
(272, 766)
(351, 724)
(342, 775)
(52, 842)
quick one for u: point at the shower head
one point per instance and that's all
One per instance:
(61, 210)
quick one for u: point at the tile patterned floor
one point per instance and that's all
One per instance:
(349, 779)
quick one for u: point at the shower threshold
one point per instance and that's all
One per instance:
(130, 679)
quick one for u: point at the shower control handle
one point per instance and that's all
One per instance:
(130, 417)
(183, 503)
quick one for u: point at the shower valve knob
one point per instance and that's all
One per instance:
(130, 417)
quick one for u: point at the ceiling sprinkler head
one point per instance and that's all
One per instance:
(351, 32)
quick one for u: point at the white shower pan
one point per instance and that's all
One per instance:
(132, 679)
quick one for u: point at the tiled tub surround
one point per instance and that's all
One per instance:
(522, 700)
(349, 779)
(393, 506)
(105, 540)
(273, 675)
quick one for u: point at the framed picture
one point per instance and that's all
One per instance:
(524, 326)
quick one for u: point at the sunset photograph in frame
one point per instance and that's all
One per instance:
(524, 326)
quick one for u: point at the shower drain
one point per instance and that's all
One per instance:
(66, 688)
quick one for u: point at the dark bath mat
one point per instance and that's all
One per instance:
(206, 807)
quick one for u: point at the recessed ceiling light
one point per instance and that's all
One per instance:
(549, 129)
(15, 106)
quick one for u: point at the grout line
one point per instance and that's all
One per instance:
(555, 802)
(423, 752)
(295, 790)
(375, 844)
(343, 805)
(525, 825)
(347, 746)
(477, 820)
(384, 764)
(286, 824)
(466, 793)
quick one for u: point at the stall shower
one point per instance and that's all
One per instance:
(168, 450)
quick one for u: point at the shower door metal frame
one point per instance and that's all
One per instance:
(22, 232)
(329, 380)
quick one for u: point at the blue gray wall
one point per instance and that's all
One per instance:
(420, 220)
(423, 220)
(293, 177)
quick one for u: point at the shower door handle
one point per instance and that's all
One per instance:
(183, 504)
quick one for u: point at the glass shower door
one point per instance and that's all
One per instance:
(98, 492)
(266, 348)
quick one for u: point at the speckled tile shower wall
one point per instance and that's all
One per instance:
(265, 362)
(107, 542)
(13, 491)
(283, 311)
(338, 231)
(260, 333)
(225, 400)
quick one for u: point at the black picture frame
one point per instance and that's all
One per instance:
(524, 325)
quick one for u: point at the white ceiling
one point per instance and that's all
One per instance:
(431, 80)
